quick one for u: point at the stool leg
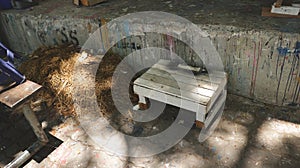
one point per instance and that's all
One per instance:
(142, 99)
(37, 128)
(199, 124)
(39, 132)
(200, 118)
(142, 104)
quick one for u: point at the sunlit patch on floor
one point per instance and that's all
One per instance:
(227, 142)
(274, 133)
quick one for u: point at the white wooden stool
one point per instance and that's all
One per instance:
(196, 93)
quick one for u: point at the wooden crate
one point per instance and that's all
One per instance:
(87, 2)
(195, 93)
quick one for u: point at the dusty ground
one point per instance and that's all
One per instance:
(250, 134)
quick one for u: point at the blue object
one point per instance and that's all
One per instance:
(297, 49)
(5, 4)
(5, 51)
(282, 51)
(7, 69)
(298, 45)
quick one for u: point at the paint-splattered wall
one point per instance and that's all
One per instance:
(261, 64)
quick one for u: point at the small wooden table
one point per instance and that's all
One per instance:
(172, 85)
(17, 97)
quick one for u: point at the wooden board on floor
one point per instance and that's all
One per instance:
(19, 93)
(91, 2)
(267, 12)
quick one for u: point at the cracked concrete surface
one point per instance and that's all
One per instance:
(250, 134)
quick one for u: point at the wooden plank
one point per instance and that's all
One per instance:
(162, 65)
(217, 93)
(267, 12)
(170, 99)
(91, 2)
(167, 63)
(189, 68)
(151, 78)
(215, 109)
(17, 94)
(184, 79)
(174, 92)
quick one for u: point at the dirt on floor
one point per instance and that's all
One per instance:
(53, 68)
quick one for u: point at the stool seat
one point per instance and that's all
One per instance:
(200, 93)
(12, 95)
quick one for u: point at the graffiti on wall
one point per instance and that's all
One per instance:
(51, 34)
(260, 65)
(271, 62)
(262, 68)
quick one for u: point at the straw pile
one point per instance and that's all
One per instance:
(53, 68)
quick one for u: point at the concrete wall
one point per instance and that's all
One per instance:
(251, 59)
(255, 68)
(27, 33)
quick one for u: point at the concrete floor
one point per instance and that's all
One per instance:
(250, 134)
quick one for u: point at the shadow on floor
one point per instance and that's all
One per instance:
(17, 135)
